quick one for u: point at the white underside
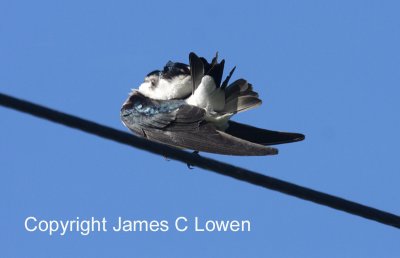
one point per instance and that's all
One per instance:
(212, 99)
(177, 88)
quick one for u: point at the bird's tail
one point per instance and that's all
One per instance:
(239, 97)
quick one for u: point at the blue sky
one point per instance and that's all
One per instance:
(330, 70)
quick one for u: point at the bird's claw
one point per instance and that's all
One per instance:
(166, 158)
(190, 166)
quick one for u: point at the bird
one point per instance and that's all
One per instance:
(189, 106)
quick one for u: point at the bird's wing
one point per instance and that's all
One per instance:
(189, 130)
(183, 126)
(207, 139)
(262, 136)
(150, 114)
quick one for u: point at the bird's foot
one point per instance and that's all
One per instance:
(166, 157)
(190, 166)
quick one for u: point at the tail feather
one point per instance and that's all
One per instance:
(226, 81)
(239, 97)
(242, 103)
(216, 71)
(235, 87)
(196, 70)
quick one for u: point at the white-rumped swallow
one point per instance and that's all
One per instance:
(189, 106)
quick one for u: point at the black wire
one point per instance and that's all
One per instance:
(202, 162)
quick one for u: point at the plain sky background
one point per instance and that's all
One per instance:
(328, 69)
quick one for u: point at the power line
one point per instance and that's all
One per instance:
(202, 162)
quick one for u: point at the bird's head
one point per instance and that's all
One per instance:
(173, 82)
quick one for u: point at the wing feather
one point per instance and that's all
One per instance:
(262, 136)
(207, 139)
